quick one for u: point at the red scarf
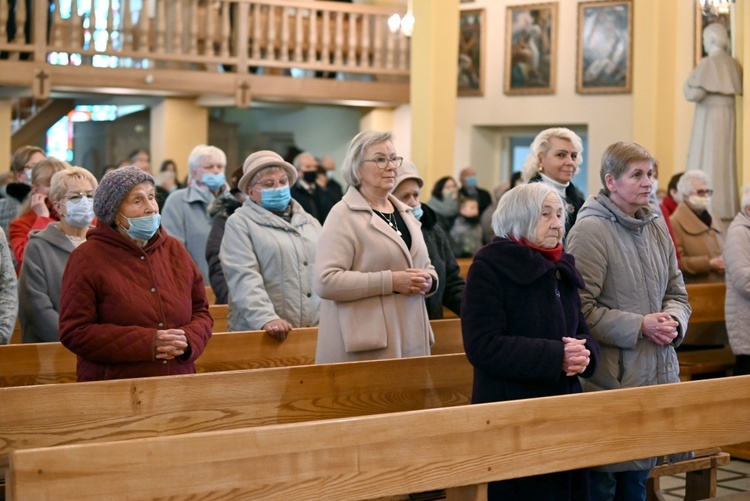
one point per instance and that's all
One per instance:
(554, 254)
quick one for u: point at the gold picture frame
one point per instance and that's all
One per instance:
(471, 44)
(531, 49)
(605, 47)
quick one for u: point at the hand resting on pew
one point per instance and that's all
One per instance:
(278, 329)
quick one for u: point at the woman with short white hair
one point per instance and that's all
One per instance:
(522, 324)
(554, 159)
(372, 270)
(72, 196)
(737, 305)
(698, 232)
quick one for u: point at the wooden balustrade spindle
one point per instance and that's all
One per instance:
(161, 26)
(257, 31)
(299, 36)
(325, 49)
(312, 38)
(57, 26)
(177, 27)
(208, 22)
(389, 50)
(351, 46)
(377, 52)
(226, 28)
(338, 42)
(193, 15)
(76, 32)
(364, 58)
(110, 27)
(271, 39)
(143, 28)
(284, 50)
(92, 26)
(3, 21)
(403, 52)
(20, 22)
(126, 33)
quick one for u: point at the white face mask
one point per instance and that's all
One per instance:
(28, 176)
(699, 203)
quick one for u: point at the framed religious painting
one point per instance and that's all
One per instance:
(471, 43)
(530, 49)
(705, 17)
(605, 47)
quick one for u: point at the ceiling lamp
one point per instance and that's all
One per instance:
(405, 24)
(716, 7)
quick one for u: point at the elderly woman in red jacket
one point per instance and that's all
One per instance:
(133, 303)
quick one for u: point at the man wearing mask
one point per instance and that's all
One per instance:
(698, 232)
(316, 200)
(470, 188)
(186, 211)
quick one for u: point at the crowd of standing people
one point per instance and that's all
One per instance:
(570, 294)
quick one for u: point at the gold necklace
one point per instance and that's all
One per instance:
(390, 218)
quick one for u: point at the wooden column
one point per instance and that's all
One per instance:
(434, 56)
(742, 42)
(177, 126)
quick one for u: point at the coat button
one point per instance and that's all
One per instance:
(161, 324)
(164, 361)
(309, 295)
(305, 263)
(143, 257)
(153, 289)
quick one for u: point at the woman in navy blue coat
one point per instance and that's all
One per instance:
(522, 324)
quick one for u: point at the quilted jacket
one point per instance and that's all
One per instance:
(116, 295)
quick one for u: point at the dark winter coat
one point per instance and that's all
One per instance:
(220, 212)
(516, 308)
(318, 203)
(115, 296)
(450, 282)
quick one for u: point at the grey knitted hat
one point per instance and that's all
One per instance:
(113, 189)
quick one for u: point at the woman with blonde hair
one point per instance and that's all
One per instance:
(554, 159)
(72, 195)
(37, 211)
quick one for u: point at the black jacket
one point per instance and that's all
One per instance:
(450, 283)
(318, 203)
(220, 211)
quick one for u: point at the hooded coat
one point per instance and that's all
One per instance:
(629, 268)
(737, 304)
(268, 265)
(40, 284)
(516, 309)
(361, 317)
(115, 296)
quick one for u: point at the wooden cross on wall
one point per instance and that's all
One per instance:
(242, 94)
(42, 84)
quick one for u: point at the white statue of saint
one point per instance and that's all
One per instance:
(712, 85)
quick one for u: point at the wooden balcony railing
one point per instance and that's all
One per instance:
(239, 37)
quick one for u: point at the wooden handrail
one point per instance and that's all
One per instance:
(392, 454)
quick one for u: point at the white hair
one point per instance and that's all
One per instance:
(746, 199)
(541, 145)
(202, 152)
(685, 184)
(518, 211)
(356, 151)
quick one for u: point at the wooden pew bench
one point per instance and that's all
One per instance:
(701, 473)
(52, 363)
(707, 301)
(457, 448)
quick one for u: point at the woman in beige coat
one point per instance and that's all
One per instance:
(372, 269)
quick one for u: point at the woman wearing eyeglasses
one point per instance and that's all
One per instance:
(372, 270)
(71, 194)
(268, 252)
(698, 233)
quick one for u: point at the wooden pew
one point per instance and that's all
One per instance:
(56, 415)
(51, 363)
(220, 314)
(707, 301)
(385, 455)
(464, 263)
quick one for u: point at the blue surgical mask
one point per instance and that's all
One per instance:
(275, 199)
(80, 213)
(28, 176)
(471, 181)
(418, 212)
(143, 228)
(214, 181)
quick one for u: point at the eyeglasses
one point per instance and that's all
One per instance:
(77, 197)
(704, 193)
(382, 162)
(270, 184)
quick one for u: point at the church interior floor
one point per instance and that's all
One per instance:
(731, 479)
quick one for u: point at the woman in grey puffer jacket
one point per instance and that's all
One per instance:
(634, 298)
(737, 305)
